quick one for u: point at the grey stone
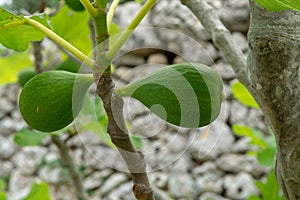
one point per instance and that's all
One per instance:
(159, 179)
(239, 186)
(52, 175)
(85, 139)
(204, 53)
(12, 92)
(211, 141)
(183, 164)
(211, 196)
(224, 69)
(7, 147)
(171, 14)
(6, 106)
(161, 194)
(96, 179)
(242, 145)
(209, 183)
(112, 182)
(207, 167)
(148, 126)
(235, 163)
(19, 185)
(240, 40)
(181, 185)
(238, 113)
(29, 158)
(130, 60)
(158, 58)
(6, 168)
(123, 192)
(124, 75)
(9, 126)
(178, 143)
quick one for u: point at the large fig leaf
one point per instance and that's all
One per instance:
(16, 34)
(185, 94)
(51, 100)
(279, 5)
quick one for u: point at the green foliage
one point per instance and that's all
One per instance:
(10, 66)
(73, 27)
(11, 26)
(241, 93)
(69, 65)
(51, 100)
(269, 189)
(25, 75)
(267, 146)
(279, 5)
(2, 189)
(26, 137)
(38, 191)
(185, 94)
(75, 5)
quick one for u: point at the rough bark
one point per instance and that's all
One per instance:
(274, 64)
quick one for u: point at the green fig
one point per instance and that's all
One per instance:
(185, 94)
(51, 100)
(25, 75)
(69, 65)
(75, 5)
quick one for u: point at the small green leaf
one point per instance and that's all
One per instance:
(10, 66)
(279, 5)
(266, 157)
(26, 137)
(69, 65)
(185, 94)
(16, 34)
(75, 5)
(73, 27)
(253, 198)
(25, 75)
(270, 189)
(51, 100)
(136, 141)
(257, 137)
(241, 93)
(38, 192)
(2, 185)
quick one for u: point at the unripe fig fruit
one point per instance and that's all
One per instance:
(25, 75)
(75, 5)
(185, 94)
(51, 100)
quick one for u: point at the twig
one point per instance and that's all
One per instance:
(119, 135)
(221, 36)
(38, 58)
(71, 166)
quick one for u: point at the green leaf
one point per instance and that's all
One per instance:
(136, 141)
(253, 198)
(69, 65)
(26, 137)
(51, 100)
(2, 196)
(114, 32)
(241, 93)
(266, 157)
(2, 185)
(38, 192)
(73, 27)
(270, 189)
(16, 34)
(11, 66)
(257, 137)
(185, 94)
(25, 75)
(279, 5)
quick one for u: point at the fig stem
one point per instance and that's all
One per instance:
(60, 41)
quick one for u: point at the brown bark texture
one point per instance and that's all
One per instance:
(274, 71)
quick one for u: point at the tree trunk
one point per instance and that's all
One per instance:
(274, 71)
